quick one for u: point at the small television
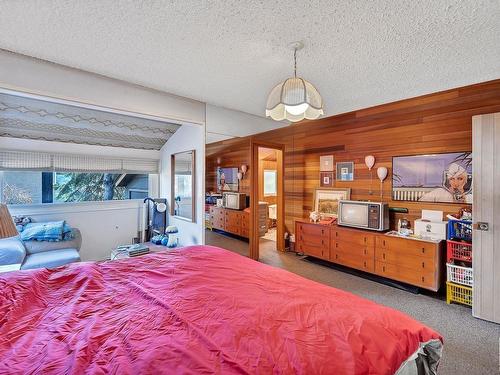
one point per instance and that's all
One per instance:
(227, 179)
(365, 215)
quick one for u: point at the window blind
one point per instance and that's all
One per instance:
(19, 160)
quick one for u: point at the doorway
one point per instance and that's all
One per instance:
(267, 198)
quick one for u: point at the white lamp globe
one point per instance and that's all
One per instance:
(294, 99)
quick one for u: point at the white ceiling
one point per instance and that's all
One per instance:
(231, 53)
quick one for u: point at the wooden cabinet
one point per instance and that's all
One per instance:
(217, 217)
(415, 262)
(245, 224)
(352, 248)
(411, 261)
(231, 221)
(313, 239)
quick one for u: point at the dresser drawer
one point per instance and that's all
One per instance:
(408, 246)
(354, 249)
(313, 229)
(313, 250)
(232, 228)
(363, 263)
(403, 259)
(244, 232)
(309, 239)
(352, 236)
(421, 278)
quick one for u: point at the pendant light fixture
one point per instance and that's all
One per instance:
(294, 99)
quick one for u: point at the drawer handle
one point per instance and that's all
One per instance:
(322, 242)
(365, 239)
(336, 234)
(423, 250)
(300, 227)
(383, 242)
(336, 256)
(423, 279)
(322, 231)
(383, 268)
(383, 256)
(423, 264)
(365, 264)
(336, 245)
(365, 251)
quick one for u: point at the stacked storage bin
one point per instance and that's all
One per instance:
(460, 277)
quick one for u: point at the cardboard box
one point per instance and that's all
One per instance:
(435, 230)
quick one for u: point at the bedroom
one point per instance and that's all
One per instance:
(152, 99)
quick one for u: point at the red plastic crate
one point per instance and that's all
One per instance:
(456, 250)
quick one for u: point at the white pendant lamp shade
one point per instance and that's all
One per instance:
(295, 99)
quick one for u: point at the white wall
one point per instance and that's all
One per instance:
(104, 225)
(223, 123)
(38, 77)
(185, 139)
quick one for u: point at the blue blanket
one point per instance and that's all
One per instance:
(50, 231)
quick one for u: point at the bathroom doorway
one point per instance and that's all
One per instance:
(267, 234)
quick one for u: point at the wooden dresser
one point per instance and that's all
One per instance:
(411, 261)
(231, 221)
(237, 222)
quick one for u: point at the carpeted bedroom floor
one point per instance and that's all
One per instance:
(471, 345)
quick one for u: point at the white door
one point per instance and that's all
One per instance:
(486, 215)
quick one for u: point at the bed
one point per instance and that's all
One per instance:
(199, 310)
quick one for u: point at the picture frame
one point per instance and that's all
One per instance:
(435, 178)
(326, 200)
(345, 171)
(326, 179)
(326, 163)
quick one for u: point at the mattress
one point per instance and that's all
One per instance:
(199, 310)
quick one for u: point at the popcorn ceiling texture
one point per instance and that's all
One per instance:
(231, 53)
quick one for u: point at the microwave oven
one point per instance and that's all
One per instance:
(235, 201)
(364, 215)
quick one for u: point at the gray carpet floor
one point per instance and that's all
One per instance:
(471, 346)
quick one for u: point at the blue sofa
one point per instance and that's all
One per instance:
(40, 254)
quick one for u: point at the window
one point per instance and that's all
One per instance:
(37, 177)
(270, 182)
(34, 187)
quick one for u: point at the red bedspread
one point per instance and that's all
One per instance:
(198, 309)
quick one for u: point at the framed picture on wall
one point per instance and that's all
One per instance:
(345, 171)
(326, 163)
(227, 179)
(443, 178)
(326, 179)
(326, 201)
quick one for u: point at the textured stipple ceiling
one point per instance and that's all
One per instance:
(231, 53)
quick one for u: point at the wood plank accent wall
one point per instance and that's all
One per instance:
(231, 153)
(434, 123)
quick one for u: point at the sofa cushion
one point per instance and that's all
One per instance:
(34, 247)
(51, 259)
(12, 251)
